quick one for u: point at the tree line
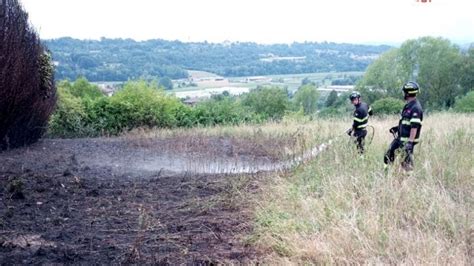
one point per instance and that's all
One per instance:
(126, 59)
(443, 70)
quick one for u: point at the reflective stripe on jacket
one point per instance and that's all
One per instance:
(411, 117)
(361, 116)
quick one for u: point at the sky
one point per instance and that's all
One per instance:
(261, 21)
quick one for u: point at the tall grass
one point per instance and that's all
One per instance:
(278, 140)
(344, 208)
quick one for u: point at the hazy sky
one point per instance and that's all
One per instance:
(262, 21)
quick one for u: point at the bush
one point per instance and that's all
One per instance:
(306, 97)
(185, 116)
(296, 116)
(331, 99)
(225, 111)
(166, 83)
(138, 104)
(82, 113)
(27, 91)
(332, 112)
(83, 89)
(387, 106)
(69, 119)
(269, 102)
(465, 104)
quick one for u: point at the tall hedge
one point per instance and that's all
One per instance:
(27, 91)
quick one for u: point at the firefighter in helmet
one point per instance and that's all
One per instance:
(361, 119)
(407, 133)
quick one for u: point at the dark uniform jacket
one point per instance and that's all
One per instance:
(361, 116)
(412, 116)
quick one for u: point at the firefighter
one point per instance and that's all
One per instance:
(407, 133)
(361, 119)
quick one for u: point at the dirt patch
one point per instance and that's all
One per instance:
(58, 205)
(121, 157)
(172, 219)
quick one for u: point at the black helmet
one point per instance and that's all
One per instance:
(411, 88)
(354, 95)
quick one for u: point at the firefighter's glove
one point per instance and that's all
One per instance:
(394, 130)
(409, 147)
(349, 132)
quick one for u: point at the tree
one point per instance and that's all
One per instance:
(467, 71)
(432, 62)
(306, 97)
(332, 98)
(439, 76)
(270, 102)
(384, 75)
(27, 91)
(166, 83)
(307, 81)
(83, 89)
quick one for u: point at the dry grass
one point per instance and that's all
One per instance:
(343, 208)
(275, 140)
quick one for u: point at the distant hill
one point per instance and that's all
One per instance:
(124, 59)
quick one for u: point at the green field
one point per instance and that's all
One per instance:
(201, 74)
(291, 81)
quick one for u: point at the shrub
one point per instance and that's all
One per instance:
(331, 99)
(185, 116)
(138, 104)
(332, 112)
(225, 111)
(166, 83)
(387, 106)
(306, 97)
(69, 118)
(27, 91)
(83, 89)
(269, 102)
(465, 104)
